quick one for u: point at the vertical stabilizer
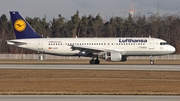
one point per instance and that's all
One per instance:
(21, 27)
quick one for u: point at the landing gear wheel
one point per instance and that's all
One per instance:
(91, 62)
(94, 61)
(151, 62)
(97, 61)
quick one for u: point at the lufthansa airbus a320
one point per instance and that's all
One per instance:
(110, 49)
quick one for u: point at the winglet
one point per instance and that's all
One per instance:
(21, 27)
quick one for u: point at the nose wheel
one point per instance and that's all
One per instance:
(151, 60)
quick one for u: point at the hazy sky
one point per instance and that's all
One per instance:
(67, 8)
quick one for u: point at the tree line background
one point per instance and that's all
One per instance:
(166, 27)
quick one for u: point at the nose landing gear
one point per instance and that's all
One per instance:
(151, 60)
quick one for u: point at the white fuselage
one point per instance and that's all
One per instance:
(127, 46)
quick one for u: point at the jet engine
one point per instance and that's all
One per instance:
(114, 56)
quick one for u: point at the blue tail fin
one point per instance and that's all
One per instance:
(21, 27)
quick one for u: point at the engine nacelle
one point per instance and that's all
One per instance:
(114, 56)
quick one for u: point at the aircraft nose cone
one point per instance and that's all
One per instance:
(172, 49)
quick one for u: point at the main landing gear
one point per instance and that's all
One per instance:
(96, 61)
(151, 60)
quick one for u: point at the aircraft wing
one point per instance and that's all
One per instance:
(95, 50)
(89, 49)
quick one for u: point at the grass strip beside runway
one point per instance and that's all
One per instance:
(91, 82)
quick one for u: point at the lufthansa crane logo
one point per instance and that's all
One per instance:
(19, 25)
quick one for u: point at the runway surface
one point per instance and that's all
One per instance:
(86, 98)
(96, 67)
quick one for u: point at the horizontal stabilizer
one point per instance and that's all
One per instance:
(17, 42)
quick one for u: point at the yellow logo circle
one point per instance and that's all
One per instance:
(20, 25)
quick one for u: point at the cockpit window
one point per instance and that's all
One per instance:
(163, 43)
